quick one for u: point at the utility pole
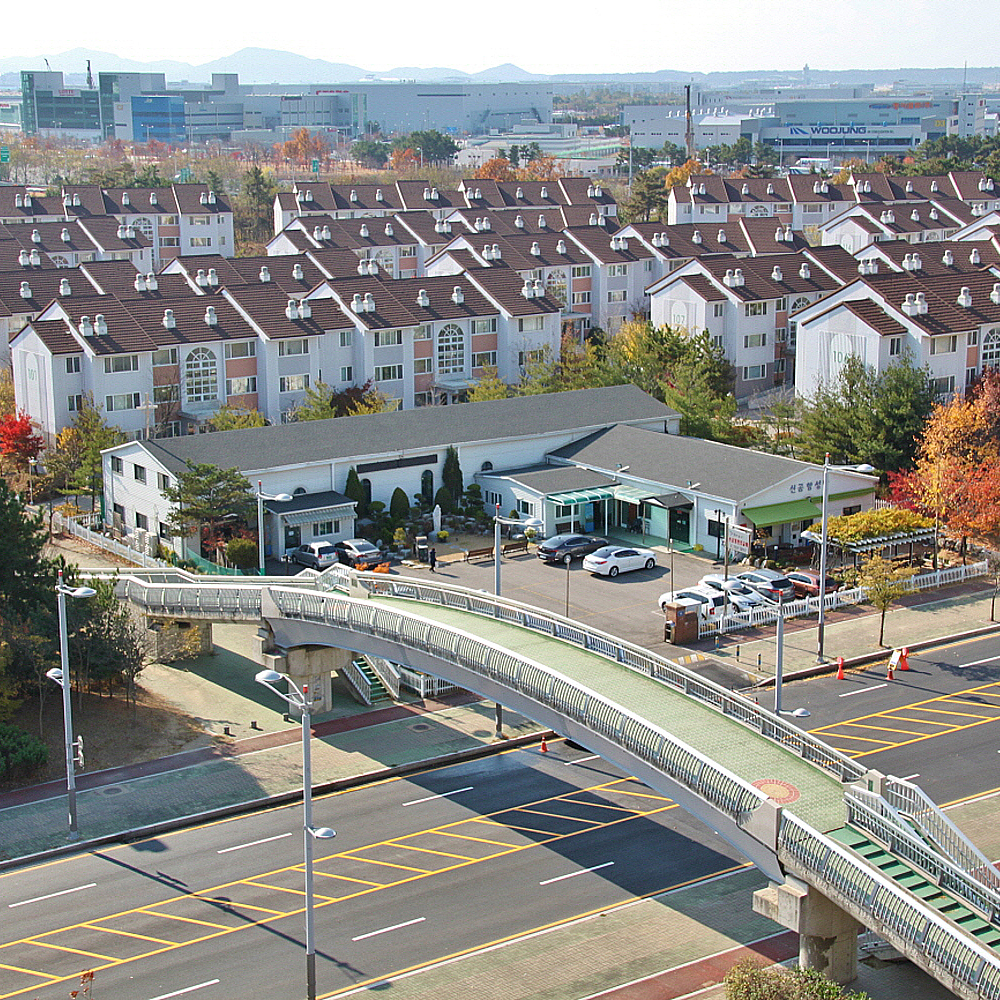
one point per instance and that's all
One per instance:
(689, 133)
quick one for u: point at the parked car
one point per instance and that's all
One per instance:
(806, 583)
(768, 583)
(357, 551)
(712, 601)
(556, 548)
(319, 555)
(742, 596)
(610, 560)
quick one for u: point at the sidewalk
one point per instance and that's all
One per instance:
(851, 633)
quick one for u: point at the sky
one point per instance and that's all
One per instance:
(583, 36)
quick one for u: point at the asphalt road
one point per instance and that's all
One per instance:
(450, 860)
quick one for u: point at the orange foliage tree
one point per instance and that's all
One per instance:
(304, 146)
(497, 169)
(404, 159)
(682, 174)
(956, 476)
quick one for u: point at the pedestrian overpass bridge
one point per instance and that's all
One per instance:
(841, 845)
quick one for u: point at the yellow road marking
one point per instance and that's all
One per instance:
(72, 951)
(428, 850)
(961, 715)
(184, 920)
(389, 864)
(921, 722)
(465, 836)
(131, 934)
(347, 878)
(553, 815)
(289, 889)
(30, 972)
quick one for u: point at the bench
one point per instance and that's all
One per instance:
(486, 553)
(511, 548)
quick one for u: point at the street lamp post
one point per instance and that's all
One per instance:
(261, 497)
(567, 559)
(62, 678)
(299, 699)
(824, 517)
(497, 521)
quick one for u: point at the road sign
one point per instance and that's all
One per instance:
(4, 154)
(315, 166)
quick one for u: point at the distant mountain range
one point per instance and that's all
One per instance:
(270, 66)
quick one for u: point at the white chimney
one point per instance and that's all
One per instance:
(305, 309)
(974, 256)
(423, 299)
(804, 271)
(776, 274)
(363, 231)
(203, 198)
(915, 216)
(909, 306)
(36, 236)
(169, 322)
(965, 297)
(354, 195)
(779, 234)
(292, 310)
(25, 290)
(64, 287)
(325, 234)
(34, 258)
(139, 283)
(528, 289)
(211, 198)
(357, 305)
(18, 201)
(519, 194)
(921, 303)
(297, 273)
(738, 281)
(542, 224)
(378, 195)
(317, 233)
(388, 229)
(544, 192)
(457, 295)
(696, 236)
(918, 263)
(86, 327)
(100, 326)
(211, 319)
(369, 302)
(362, 266)
(265, 274)
(199, 279)
(65, 236)
(213, 278)
(721, 237)
(519, 221)
(152, 198)
(561, 247)
(536, 250)
(948, 258)
(496, 251)
(151, 283)
(23, 259)
(995, 294)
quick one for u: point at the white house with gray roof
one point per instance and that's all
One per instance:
(311, 460)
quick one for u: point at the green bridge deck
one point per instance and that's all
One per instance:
(728, 742)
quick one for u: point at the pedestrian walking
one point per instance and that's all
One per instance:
(432, 558)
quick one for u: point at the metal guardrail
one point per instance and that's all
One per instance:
(725, 791)
(628, 655)
(388, 673)
(356, 678)
(871, 813)
(910, 925)
(913, 803)
(73, 526)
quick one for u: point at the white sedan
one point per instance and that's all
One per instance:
(613, 559)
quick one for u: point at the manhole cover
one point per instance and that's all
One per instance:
(781, 791)
(112, 790)
(419, 727)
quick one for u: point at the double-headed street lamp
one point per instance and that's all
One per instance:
(863, 467)
(261, 497)
(299, 699)
(62, 678)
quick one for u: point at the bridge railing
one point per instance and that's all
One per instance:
(730, 794)
(912, 802)
(908, 923)
(869, 812)
(628, 655)
(225, 601)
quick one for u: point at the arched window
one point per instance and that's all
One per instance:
(991, 349)
(800, 303)
(298, 491)
(451, 350)
(555, 286)
(427, 485)
(367, 484)
(486, 467)
(201, 378)
(144, 225)
(59, 260)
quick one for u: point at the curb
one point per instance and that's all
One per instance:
(830, 667)
(282, 798)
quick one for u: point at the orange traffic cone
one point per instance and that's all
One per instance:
(890, 674)
(544, 747)
(840, 668)
(903, 662)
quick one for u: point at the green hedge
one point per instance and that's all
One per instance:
(21, 754)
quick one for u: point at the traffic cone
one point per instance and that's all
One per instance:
(903, 662)
(544, 747)
(840, 668)
(889, 674)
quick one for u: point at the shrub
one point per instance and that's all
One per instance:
(242, 552)
(21, 754)
(399, 506)
(442, 536)
(444, 500)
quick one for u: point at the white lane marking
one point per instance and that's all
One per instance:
(580, 760)
(443, 795)
(385, 930)
(873, 687)
(253, 843)
(582, 871)
(975, 663)
(187, 989)
(51, 895)
(910, 777)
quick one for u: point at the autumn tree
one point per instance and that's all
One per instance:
(228, 418)
(682, 174)
(497, 169)
(541, 168)
(7, 404)
(884, 583)
(81, 463)
(488, 386)
(304, 146)
(19, 444)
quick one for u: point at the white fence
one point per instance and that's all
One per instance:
(839, 598)
(75, 526)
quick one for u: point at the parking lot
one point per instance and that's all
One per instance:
(624, 605)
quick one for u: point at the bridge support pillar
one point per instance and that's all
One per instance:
(499, 715)
(828, 937)
(312, 665)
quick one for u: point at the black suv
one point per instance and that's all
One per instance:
(556, 548)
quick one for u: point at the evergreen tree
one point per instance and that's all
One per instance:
(399, 506)
(84, 470)
(443, 499)
(206, 493)
(26, 577)
(451, 474)
(354, 490)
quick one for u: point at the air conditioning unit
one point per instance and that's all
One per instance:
(140, 539)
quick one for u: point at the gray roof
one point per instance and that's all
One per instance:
(722, 470)
(421, 429)
(546, 479)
